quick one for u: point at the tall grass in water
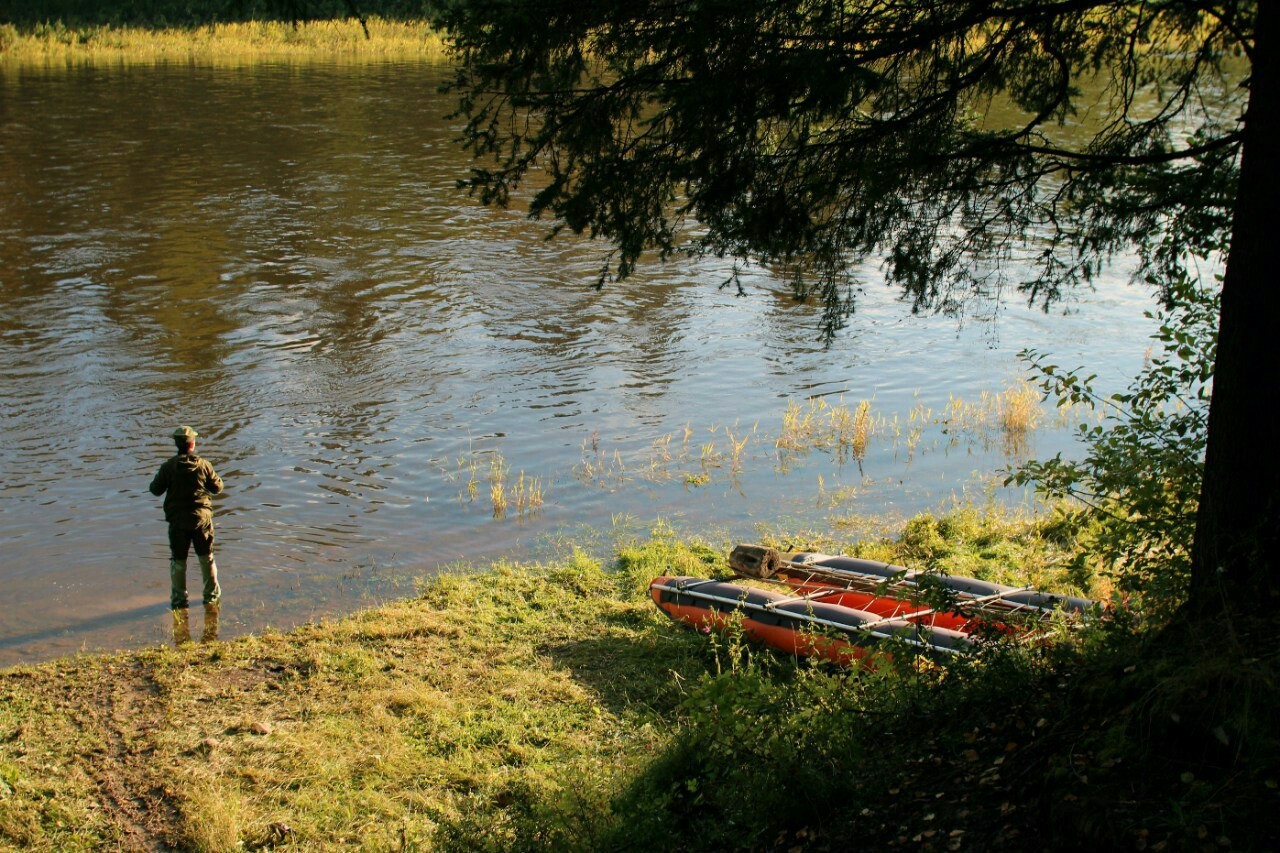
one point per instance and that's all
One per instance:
(598, 467)
(498, 485)
(1014, 412)
(1019, 408)
(736, 447)
(527, 493)
(224, 43)
(861, 430)
(818, 423)
(524, 493)
(798, 426)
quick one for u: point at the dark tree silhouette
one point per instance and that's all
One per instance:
(809, 134)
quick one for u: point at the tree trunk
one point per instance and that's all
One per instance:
(1233, 561)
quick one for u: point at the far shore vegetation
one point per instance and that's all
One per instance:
(342, 39)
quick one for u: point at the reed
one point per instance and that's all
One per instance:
(498, 485)
(660, 459)
(662, 448)
(917, 419)
(798, 426)
(710, 456)
(596, 466)
(1018, 408)
(861, 430)
(736, 448)
(818, 423)
(528, 494)
(473, 478)
(1014, 413)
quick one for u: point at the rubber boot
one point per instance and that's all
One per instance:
(209, 574)
(177, 584)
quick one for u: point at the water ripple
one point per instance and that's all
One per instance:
(291, 268)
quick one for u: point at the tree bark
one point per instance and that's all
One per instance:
(1233, 560)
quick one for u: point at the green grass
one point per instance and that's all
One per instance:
(552, 707)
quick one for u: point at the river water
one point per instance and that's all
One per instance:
(277, 255)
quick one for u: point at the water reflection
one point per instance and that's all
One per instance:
(279, 255)
(181, 627)
(209, 634)
(181, 619)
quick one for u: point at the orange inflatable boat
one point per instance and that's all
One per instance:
(797, 624)
(841, 608)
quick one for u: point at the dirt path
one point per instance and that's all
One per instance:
(126, 707)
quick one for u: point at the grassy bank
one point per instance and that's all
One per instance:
(343, 39)
(553, 707)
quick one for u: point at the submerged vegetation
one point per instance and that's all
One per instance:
(523, 492)
(848, 432)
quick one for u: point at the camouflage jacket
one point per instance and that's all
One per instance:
(186, 481)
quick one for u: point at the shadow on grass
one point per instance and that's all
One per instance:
(641, 665)
(1131, 745)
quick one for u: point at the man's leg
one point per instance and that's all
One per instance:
(179, 544)
(203, 539)
(212, 593)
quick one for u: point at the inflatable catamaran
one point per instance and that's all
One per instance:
(842, 609)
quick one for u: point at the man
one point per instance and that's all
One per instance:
(187, 481)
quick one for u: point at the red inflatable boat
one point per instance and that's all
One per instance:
(797, 624)
(841, 608)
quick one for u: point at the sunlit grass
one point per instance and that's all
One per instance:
(598, 467)
(552, 707)
(528, 494)
(697, 456)
(498, 484)
(367, 733)
(817, 424)
(1009, 416)
(524, 492)
(469, 464)
(1019, 408)
(230, 43)
(861, 430)
(736, 448)
(848, 431)
(674, 456)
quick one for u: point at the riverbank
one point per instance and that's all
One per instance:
(553, 707)
(342, 39)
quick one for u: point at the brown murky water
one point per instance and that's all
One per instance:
(276, 254)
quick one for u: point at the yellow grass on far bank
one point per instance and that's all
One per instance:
(222, 43)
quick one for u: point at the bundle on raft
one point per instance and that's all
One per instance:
(841, 608)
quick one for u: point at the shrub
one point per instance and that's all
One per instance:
(1139, 481)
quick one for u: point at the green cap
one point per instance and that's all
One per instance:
(184, 433)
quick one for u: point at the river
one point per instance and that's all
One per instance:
(277, 255)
